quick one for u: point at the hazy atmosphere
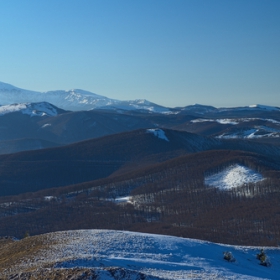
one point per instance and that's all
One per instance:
(173, 53)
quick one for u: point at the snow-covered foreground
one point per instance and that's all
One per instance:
(163, 257)
(232, 177)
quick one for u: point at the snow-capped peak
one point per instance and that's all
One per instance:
(76, 92)
(74, 100)
(31, 109)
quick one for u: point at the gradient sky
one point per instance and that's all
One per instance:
(171, 52)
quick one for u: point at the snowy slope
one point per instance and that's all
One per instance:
(31, 109)
(160, 256)
(232, 177)
(253, 133)
(234, 121)
(157, 132)
(245, 128)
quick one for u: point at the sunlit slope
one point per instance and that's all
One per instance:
(159, 256)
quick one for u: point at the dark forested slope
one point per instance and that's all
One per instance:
(168, 197)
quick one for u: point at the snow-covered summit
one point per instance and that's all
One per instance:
(31, 109)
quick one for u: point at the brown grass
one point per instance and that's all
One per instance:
(20, 255)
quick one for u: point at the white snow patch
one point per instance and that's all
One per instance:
(227, 121)
(122, 199)
(232, 177)
(46, 125)
(6, 109)
(49, 198)
(235, 121)
(257, 132)
(221, 121)
(158, 133)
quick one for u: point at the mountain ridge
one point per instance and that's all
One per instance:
(78, 99)
(73, 100)
(101, 157)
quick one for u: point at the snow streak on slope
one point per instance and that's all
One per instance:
(256, 128)
(221, 121)
(31, 109)
(158, 133)
(154, 255)
(254, 133)
(232, 177)
(234, 121)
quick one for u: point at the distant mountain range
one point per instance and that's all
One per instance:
(55, 118)
(74, 100)
(28, 126)
(80, 100)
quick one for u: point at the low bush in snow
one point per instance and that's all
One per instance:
(228, 256)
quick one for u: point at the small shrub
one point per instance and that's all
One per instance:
(263, 258)
(228, 256)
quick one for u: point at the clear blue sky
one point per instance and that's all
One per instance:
(171, 52)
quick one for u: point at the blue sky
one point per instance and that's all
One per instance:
(174, 53)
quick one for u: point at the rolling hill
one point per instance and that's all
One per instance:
(101, 157)
(104, 254)
(171, 197)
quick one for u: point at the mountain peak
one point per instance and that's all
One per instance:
(32, 109)
(73, 99)
(5, 86)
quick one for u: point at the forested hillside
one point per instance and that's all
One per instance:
(169, 197)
